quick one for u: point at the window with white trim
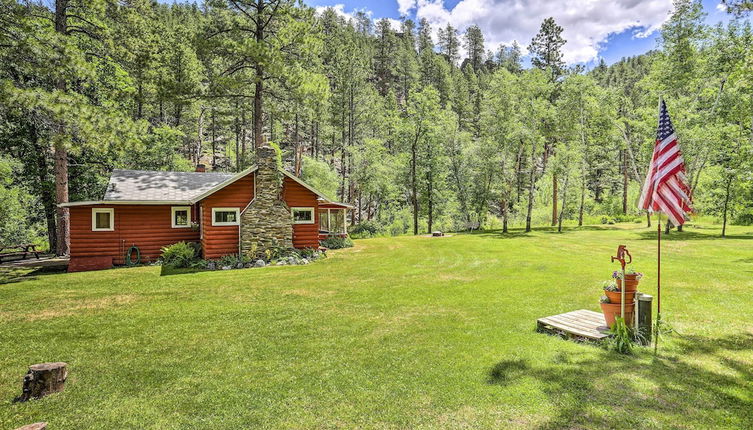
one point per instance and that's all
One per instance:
(303, 215)
(225, 216)
(103, 219)
(181, 216)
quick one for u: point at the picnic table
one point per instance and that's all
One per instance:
(21, 250)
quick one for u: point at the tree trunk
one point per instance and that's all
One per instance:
(564, 203)
(258, 93)
(414, 187)
(61, 152)
(430, 202)
(505, 214)
(214, 141)
(554, 199)
(531, 188)
(726, 205)
(237, 127)
(297, 148)
(582, 198)
(199, 136)
(43, 379)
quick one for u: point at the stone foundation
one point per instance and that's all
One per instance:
(267, 222)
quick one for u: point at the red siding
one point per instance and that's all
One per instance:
(296, 195)
(223, 240)
(148, 227)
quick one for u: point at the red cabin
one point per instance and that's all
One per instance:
(226, 213)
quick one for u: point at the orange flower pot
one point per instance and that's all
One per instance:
(612, 310)
(615, 296)
(631, 285)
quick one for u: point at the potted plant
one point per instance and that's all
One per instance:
(631, 279)
(613, 292)
(612, 310)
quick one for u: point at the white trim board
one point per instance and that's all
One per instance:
(124, 202)
(222, 224)
(110, 211)
(174, 209)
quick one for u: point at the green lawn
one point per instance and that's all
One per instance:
(408, 332)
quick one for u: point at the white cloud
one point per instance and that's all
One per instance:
(721, 7)
(405, 6)
(395, 24)
(340, 10)
(586, 23)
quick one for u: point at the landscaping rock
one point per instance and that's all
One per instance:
(43, 379)
(239, 266)
(211, 265)
(281, 263)
(249, 265)
(226, 267)
(260, 263)
(304, 261)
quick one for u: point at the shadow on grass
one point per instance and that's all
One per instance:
(169, 271)
(601, 392)
(520, 231)
(689, 235)
(9, 275)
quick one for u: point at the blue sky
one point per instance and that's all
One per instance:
(594, 28)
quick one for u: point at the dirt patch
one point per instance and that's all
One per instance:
(71, 307)
(308, 293)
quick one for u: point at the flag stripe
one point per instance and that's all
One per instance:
(666, 188)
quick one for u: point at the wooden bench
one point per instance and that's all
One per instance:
(22, 250)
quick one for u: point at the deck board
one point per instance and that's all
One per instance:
(581, 323)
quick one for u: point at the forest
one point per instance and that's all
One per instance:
(419, 128)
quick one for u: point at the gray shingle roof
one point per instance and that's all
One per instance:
(142, 185)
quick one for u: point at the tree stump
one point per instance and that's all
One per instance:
(43, 379)
(35, 426)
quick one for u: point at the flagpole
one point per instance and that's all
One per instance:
(658, 282)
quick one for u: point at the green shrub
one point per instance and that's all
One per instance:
(366, 229)
(179, 255)
(336, 242)
(744, 217)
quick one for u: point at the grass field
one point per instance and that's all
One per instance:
(408, 332)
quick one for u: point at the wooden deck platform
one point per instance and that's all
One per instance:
(581, 324)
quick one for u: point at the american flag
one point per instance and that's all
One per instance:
(666, 188)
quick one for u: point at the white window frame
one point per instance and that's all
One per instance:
(307, 209)
(237, 216)
(174, 209)
(110, 211)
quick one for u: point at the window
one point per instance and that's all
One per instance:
(181, 216)
(103, 219)
(324, 220)
(225, 216)
(337, 221)
(303, 215)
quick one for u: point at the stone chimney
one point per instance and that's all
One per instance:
(201, 168)
(267, 222)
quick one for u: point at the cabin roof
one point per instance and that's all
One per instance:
(143, 185)
(162, 187)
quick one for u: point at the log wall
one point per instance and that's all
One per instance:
(218, 241)
(149, 227)
(296, 195)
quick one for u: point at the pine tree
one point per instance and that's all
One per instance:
(473, 41)
(546, 49)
